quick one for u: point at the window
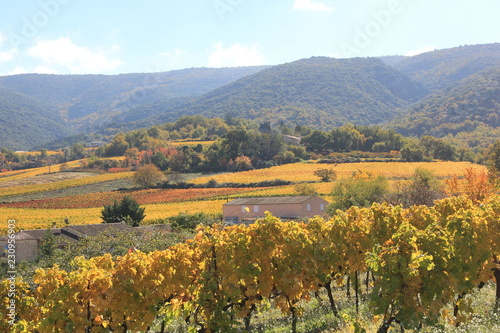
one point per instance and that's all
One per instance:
(308, 207)
(255, 209)
(245, 209)
(322, 207)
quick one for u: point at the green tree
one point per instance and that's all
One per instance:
(43, 153)
(346, 138)
(494, 162)
(358, 192)
(412, 153)
(118, 146)
(127, 210)
(185, 221)
(288, 156)
(49, 244)
(160, 161)
(77, 151)
(422, 189)
(318, 141)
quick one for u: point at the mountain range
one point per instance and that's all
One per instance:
(430, 93)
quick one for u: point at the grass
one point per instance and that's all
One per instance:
(317, 317)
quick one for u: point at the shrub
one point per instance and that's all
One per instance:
(326, 175)
(127, 210)
(422, 189)
(185, 221)
(358, 192)
(304, 189)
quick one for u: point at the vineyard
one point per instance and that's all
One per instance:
(37, 188)
(299, 172)
(51, 207)
(149, 196)
(421, 264)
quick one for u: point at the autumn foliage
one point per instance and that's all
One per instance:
(421, 259)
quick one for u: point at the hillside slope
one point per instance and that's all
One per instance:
(441, 68)
(82, 103)
(472, 102)
(24, 120)
(318, 91)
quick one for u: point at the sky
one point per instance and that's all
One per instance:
(132, 36)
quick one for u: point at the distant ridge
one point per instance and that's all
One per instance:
(424, 94)
(319, 91)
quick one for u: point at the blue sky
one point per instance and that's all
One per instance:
(125, 36)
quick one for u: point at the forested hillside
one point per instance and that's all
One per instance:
(443, 92)
(24, 120)
(439, 69)
(474, 102)
(318, 91)
(84, 102)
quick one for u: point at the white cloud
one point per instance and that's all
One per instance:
(236, 55)
(62, 52)
(419, 51)
(45, 70)
(15, 71)
(5, 55)
(311, 6)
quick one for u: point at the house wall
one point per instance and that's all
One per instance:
(288, 210)
(317, 207)
(25, 249)
(280, 210)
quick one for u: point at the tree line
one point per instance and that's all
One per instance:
(242, 145)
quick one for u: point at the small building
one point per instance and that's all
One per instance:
(294, 207)
(28, 242)
(292, 140)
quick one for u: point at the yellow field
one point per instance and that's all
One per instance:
(299, 172)
(161, 211)
(191, 143)
(37, 188)
(31, 153)
(44, 218)
(17, 175)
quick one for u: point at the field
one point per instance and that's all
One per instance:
(300, 172)
(23, 174)
(37, 199)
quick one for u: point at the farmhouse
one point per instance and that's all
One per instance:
(28, 242)
(294, 207)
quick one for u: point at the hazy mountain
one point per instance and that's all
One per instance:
(318, 91)
(25, 120)
(441, 68)
(321, 92)
(83, 103)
